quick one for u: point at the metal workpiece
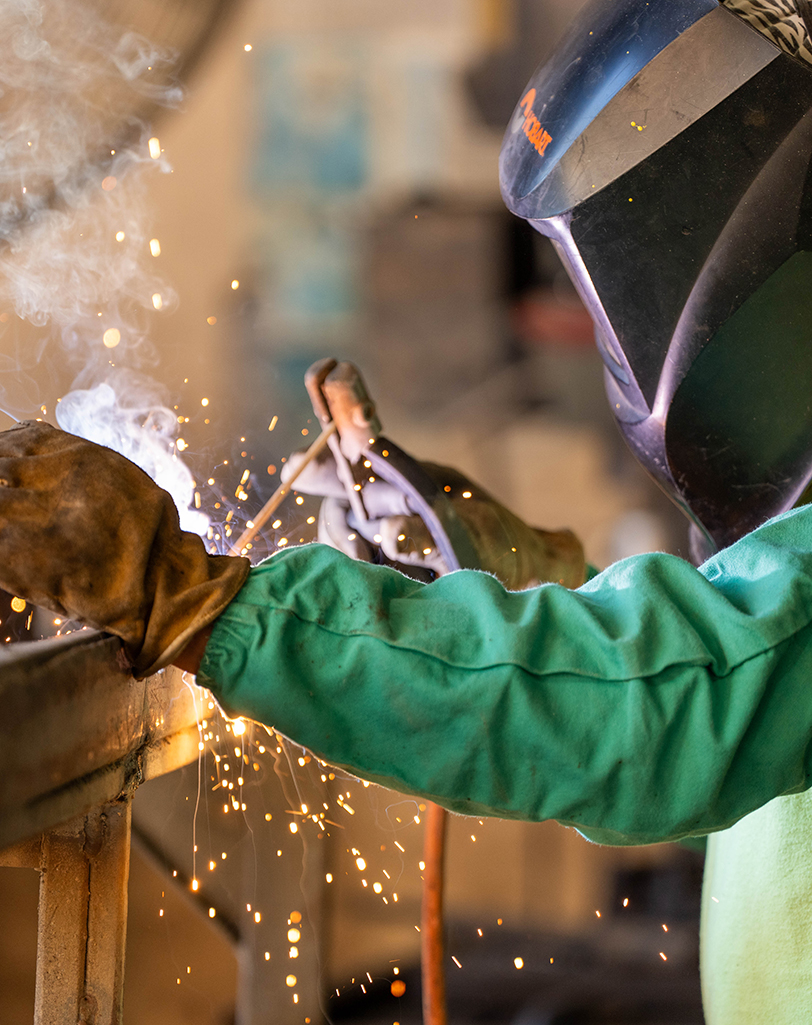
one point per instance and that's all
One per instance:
(77, 737)
(82, 917)
(78, 730)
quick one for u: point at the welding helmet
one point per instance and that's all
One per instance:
(665, 149)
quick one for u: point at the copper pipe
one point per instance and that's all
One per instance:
(432, 947)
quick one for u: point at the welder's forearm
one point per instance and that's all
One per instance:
(192, 655)
(649, 705)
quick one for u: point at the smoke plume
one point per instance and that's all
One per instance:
(76, 295)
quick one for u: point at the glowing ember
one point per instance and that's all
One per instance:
(109, 183)
(154, 148)
(18, 604)
(155, 247)
(111, 337)
(157, 300)
(398, 988)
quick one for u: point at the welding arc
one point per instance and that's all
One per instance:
(281, 493)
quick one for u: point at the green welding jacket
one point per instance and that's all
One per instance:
(658, 701)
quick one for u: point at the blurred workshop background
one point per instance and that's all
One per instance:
(333, 191)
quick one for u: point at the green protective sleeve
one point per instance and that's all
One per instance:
(656, 702)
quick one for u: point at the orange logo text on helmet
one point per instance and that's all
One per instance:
(538, 136)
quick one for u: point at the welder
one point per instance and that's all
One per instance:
(666, 151)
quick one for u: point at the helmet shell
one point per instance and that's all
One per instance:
(665, 150)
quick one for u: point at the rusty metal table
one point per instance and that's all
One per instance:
(77, 736)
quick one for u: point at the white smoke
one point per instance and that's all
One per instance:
(74, 253)
(142, 433)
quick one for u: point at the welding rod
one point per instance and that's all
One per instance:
(281, 492)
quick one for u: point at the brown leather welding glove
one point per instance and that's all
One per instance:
(87, 534)
(520, 556)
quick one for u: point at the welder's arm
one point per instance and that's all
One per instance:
(656, 702)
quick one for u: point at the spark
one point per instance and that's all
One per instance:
(111, 337)
(456, 962)
(466, 494)
(294, 935)
(211, 320)
(108, 183)
(290, 981)
(157, 300)
(662, 955)
(519, 962)
(204, 402)
(248, 48)
(18, 604)
(120, 236)
(235, 284)
(155, 247)
(273, 423)
(182, 446)
(154, 148)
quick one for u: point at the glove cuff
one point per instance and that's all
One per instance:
(191, 590)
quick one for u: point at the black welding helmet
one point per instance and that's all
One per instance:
(665, 149)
